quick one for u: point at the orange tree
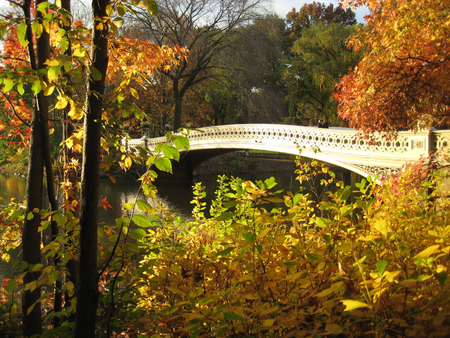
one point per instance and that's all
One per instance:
(403, 79)
(35, 66)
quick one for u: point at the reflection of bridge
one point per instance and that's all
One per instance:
(338, 146)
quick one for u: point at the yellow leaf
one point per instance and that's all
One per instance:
(351, 304)
(62, 102)
(268, 322)
(128, 162)
(246, 277)
(333, 288)
(390, 275)
(294, 276)
(104, 144)
(428, 251)
(370, 238)
(381, 226)
(175, 290)
(269, 310)
(264, 232)
(52, 63)
(279, 239)
(134, 93)
(75, 113)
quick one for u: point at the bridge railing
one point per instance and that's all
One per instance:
(343, 146)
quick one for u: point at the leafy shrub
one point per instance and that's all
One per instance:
(376, 267)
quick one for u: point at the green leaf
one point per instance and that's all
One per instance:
(312, 257)
(53, 72)
(9, 84)
(36, 87)
(163, 164)
(21, 34)
(20, 88)
(381, 266)
(151, 7)
(11, 285)
(37, 29)
(122, 220)
(322, 222)
(171, 153)
(42, 7)
(137, 233)
(442, 278)
(142, 221)
(144, 206)
(225, 216)
(181, 142)
(225, 251)
(95, 73)
(233, 316)
(249, 236)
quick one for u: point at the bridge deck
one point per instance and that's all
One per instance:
(341, 146)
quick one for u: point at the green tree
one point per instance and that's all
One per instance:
(320, 57)
(250, 88)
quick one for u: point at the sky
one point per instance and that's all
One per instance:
(282, 7)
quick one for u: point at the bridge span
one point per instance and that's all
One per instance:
(339, 146)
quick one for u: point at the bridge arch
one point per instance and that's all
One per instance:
(343, 147)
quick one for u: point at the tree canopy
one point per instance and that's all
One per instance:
(403, 79)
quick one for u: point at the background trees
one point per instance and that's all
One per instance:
(319, 56)
(403, 79)
(207, 28)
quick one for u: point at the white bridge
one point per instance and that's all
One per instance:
(343, 147)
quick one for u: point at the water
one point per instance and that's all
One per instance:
(176, 195)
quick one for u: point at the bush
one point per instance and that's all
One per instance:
(376, 267)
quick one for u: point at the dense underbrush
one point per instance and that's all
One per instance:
(365, 262)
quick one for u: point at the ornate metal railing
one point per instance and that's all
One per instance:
(341, 146)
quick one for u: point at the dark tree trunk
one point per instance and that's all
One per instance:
(38, 156)
(32, 323)
(178, 100)
(87, 293)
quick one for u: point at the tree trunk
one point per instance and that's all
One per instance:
(39, 153)
(87, 293)
(32, 323)
(178, 99)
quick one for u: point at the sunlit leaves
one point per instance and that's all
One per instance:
(407, 48)
(21, 34)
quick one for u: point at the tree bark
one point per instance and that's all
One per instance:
(31, 241)
(87, 293)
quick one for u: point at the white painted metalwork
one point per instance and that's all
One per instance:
(344, 147)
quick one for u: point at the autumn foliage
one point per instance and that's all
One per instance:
(403, 79)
